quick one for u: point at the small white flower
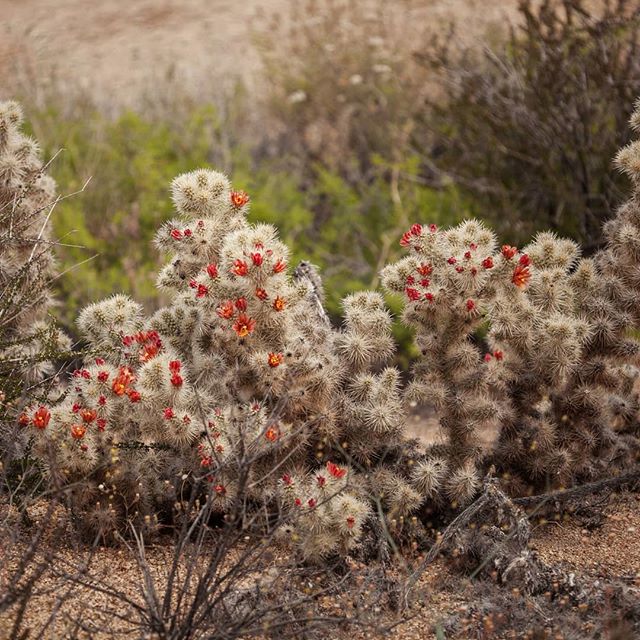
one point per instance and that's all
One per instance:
(381, 68)
(297, 96)
(355, 79)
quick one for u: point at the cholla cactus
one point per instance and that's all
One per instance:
(240, 380)
(449, 282)
(27, 341)
(558, 376)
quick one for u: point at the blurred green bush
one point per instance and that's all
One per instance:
(528, 126)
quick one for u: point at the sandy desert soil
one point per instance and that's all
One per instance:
(443, 593)
(116, 48)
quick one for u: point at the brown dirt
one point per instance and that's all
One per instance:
(611, 551)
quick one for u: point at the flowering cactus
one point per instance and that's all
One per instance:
(241, 366)
(558, 377)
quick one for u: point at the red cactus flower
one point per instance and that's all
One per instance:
(220, 489)
(103, 376)
(487, 263)
(261, 294)
(279, 303)
(176, 234)
(405, 241)
(429, 296)
(78, 431)
(226, 310)
(410, 280)
(176, 380)
(433, 228)
(175, 366)
(212, 270)
(169, 413)
(425, 269)
(275, 359)
(467, 255)
(41, 418)
(425, 282)
(488, 357)
(460, 269)
(239, 198)
(258, 245)
(203, 290)
(88, 415)
(99, 361)
(498, 355)
(471, 305)
(298, 502)
(240, 268)
(149, 351)
(525, 260)
(134, 396)
(102, 400)
(312, 503)
(23, 420)
(241, 304)
(102, 423)
(416, 229)
(351, 521)
(286, 479)
(257, 259)
(76, 407)
(186, 419)
(193, 283)
(521, 276)
(451, 260)
(508, 251)
(187, 233)
(279, 266)
(244, 325)
(335, 470)
(412, 294)
(321, 481)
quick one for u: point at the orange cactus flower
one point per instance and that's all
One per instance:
(272, 433)
(521, 276)
(41, 418)
(226, 310)
(88, 415)
(239, 198)
(279, 303)
(279, 266)
(275, 359)
(244, 325)
(425, 269)
(78, 431)
(124, 378)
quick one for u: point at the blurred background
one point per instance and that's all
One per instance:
(346, 121)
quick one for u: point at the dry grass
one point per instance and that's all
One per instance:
(117, 49)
